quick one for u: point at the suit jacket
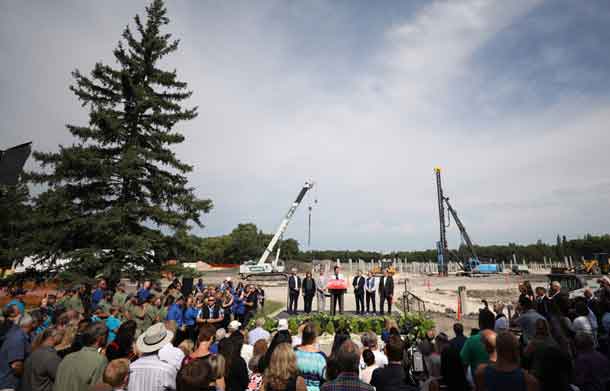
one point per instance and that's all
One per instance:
(358, 284)
(309, 286)
(386, 286)
(320, 283)
(291, 284)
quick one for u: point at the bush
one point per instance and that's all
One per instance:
(414, 325)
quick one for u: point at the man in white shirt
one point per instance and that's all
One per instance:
(258, 332)
(370, 287)
(149, 372)
(294, 288)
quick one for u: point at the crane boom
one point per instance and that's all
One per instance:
(461, 228)
(284, 223)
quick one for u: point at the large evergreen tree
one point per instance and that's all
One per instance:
(118, 199)
(14, 218)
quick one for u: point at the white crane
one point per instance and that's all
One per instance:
(261, 267)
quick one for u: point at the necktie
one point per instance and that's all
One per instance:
(337, 276)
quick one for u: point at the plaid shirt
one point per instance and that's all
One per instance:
(347, 381)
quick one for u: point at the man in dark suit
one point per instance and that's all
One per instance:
(392, 377)
(386, 291)
(358, 284)
(294, 287)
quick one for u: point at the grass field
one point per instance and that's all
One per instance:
(271, 306)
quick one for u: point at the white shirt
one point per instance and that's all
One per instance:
(246, 352)
(373, 282)
(380, 359)
(256, 334)
(172, 355)
(367, 373)
(149, 373)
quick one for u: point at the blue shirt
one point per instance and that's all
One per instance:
(16, 347)
(143, 294)
(175, 313)
(97, 295)
(238, 308)
(214, 348)
(113, 324)
(190, 315)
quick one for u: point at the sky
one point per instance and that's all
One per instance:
(510, 98)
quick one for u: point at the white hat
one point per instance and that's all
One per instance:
(154, 338)
(282, 324)
(229, 278)
(234, 325)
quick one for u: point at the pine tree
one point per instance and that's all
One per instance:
(118, 199)
(14, 217)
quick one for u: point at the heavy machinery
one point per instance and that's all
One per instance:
(598, 265)
(276, 267)
(378, 269)
(469, 266)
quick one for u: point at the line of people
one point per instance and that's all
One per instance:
(364, 289)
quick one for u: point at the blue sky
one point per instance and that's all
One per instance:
(509, 98)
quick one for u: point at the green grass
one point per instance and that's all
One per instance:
(270, 307)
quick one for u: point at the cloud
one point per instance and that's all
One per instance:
(364, 100)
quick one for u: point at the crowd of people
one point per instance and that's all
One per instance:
(155, 340)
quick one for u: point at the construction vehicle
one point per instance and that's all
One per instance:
(473, 264)
(598, 265)
(276, 267)
(381, 267)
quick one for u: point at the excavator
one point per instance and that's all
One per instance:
(469, 266)
(276, 267)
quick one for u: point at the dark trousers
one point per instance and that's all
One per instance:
(308, 298)
(334, 299)
(370, 297)
(247, 316)
(382, 300)
(293, 302)
(359, 302)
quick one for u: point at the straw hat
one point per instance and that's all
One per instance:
(154, 338)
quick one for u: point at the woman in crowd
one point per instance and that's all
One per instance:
(332, 365)
(256, 377)
(542, 340)
(204, 340)
(227, 305)
(190, 318)
(282, 373)
(236, 370)
(239, 305)
(282, 336)
(389, 326)
(369, 361)
(311, 362)
(122, 346)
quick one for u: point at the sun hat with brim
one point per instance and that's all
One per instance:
(154, 338)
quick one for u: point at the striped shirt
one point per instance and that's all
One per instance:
(149, 373)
